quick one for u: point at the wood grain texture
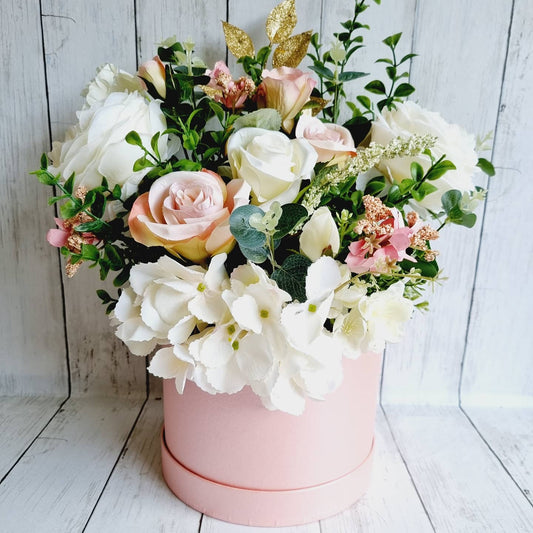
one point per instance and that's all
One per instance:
(55, 486)
(211, 525)
(509, 434)
(187, 19)
(498, 366)
(384, 20)
(22, 418)
(136, 495)
(458, 73)
(381, 510)
(463, 485)
(78, 38)
(32, 347)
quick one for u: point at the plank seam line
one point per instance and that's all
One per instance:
(122, 450)
(407, 468)
(58, 410)
(58, 253)
(200, 523)
(495, 454)
(413, 37)
(483, 216)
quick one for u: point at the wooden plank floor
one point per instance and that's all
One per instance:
(95, 468)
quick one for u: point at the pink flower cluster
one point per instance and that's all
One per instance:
(227, 91)
(384, 239)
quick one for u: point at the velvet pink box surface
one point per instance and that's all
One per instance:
(229, 457)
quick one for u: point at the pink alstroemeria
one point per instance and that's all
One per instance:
(225, 90)
(384, 241)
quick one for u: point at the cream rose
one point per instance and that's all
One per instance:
(459, 146)
(286, 90)
(271, 163)
(96, 146)
(188, 214)
(331, 141)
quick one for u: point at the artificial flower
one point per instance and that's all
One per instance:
(320, 235)
(153, 71)
(96, 146)
(287, 90)
(188, 213)
(454, 142)
(224, 89)
(332, 142)
(271, 163)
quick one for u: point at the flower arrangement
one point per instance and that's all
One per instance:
(256, 241)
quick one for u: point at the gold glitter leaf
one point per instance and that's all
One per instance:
(281, 21)
(317, 104)
(238, 41)
(290, 52)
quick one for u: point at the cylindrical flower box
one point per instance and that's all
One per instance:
(229, 457)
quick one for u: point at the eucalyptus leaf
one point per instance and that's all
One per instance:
(267, 118)
(240, 228)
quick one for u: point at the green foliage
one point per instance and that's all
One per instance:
(486, 166)
(396, 92)
(252, 242)
(290, 276)
(451, 203)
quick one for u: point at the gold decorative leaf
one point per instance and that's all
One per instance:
(281, 21)
(317, 104)
(290, 52)
(238, 41)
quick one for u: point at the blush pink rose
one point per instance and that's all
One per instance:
(331, 141)
(287, 90)
(188, 213)
(153, 71)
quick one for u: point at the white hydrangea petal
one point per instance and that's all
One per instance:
(179, 333)
(287, 397)
(226, 379)
(323, 277)
(216, 274)
(213, 348)
(199, 376)
(246, 313)
(141, 348)
(254, 357)
(166, 365)
(135, 330)
(209, 307)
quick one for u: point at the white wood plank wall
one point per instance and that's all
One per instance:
(79, 420)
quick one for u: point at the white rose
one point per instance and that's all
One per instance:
(271, 163)
(96, 146)
(319, 234)
(459, 146)
(109, 79)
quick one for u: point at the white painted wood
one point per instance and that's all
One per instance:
(211, 525)
(55, 486)
(509, 433)
(136, 496)
(78, 38)
(382, 509)
(458, 73)
(199, 21)
(462, 484)
(22, 418)
(252, 21)
(498, 363)
(384, 20)
(32, 347)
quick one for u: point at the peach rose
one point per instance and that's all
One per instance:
(286, 90)
(330, 141)
(153, 71)
(188, 213)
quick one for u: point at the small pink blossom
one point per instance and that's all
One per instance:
(227, 91)
(380, 249)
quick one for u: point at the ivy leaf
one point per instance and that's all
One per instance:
(291, 276)
(291, 216)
